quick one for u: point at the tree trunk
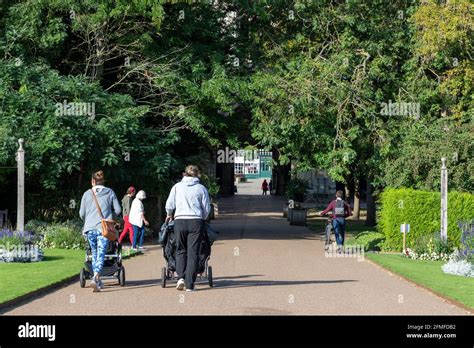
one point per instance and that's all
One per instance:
(160, 211)
(356, 211)
(225, 174)
(347, 191)
(371, 216)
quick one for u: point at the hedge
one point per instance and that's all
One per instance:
(421, 209)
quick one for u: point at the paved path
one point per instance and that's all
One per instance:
(261, 266)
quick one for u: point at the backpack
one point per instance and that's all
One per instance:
(339, 210)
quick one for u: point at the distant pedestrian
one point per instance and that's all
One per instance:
(270, 186)
(264, 187)
(189, 202)
(126, 205)
(109, 204)
(138, 221)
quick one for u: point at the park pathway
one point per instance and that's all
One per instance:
(261, 266)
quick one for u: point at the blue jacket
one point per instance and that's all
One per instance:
(108, 203)
(189, 200)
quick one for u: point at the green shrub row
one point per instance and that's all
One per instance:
(421, 209)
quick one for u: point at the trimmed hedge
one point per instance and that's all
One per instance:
(421, 209)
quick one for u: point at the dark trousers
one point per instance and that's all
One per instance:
(188, 240)
(339, 224)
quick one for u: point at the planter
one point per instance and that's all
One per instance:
(297, 217)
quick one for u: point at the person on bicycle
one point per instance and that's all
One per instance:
(340, 211)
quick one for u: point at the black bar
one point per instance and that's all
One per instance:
(259, 330)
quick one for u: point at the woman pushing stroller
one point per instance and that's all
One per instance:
(189, 201)
(98, 203)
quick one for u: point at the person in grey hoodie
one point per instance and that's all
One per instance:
(189, 201)
(89, 213)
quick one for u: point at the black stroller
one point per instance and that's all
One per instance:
(113, 267)
(168, 242)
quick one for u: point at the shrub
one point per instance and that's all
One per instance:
(296, 189)
(370, 240)
(421, 209)
(36, 226)
(65, 235)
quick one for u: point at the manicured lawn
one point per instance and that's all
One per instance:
(430, 275)
(17, 279)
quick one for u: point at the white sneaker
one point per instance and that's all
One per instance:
(191, 290)
(180, 286)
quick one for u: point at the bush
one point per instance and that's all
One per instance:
(36, 226)
(65, 235)
(370, 240)
(421, 209)
(296, 189)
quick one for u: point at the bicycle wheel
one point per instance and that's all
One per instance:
(328, 233)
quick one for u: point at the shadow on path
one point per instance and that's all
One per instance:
(228, 282)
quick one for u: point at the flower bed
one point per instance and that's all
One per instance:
(19, 247)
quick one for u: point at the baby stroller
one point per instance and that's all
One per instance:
(168, 242)
(113, 267)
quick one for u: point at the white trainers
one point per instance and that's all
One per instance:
(191, 290)
(181, 284)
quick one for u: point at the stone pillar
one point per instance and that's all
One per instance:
(444, 200)
(20, 219)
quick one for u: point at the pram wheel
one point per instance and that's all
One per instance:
(82, 278)
(209, 276)
(163, 277)
(121, 276)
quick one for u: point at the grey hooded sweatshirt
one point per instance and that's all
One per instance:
(108, 203)
(189, 200)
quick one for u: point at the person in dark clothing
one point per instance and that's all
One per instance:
(264, 187)
(340, 211)
(189, 200)
(270, 186)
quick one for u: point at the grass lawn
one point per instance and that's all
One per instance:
(17, 279)
(353, 227)
(430, 275)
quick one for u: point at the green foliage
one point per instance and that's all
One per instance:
(36, 226)
(370, 240)
(296, 189)
(428, 244)
(66, 235)
(421, 209)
